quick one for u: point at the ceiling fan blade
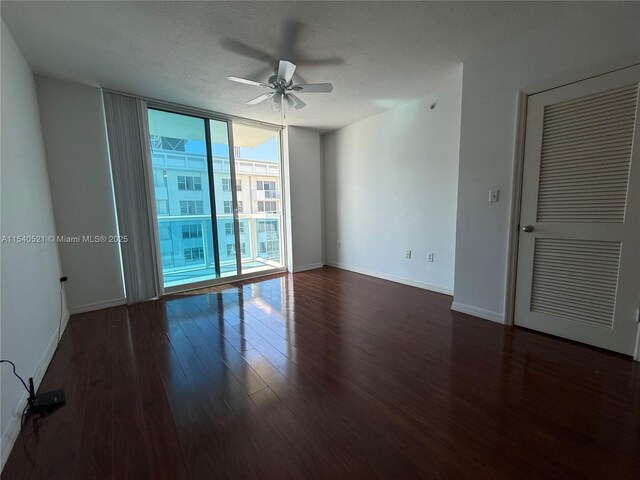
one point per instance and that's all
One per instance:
(299, 77)
(285, 71)
(264, 72)
(247, 50)
(276, 102)
(319, 61)
(313, 88)
(288, 38)
(261, 98)
(247, 81)
(294, 101)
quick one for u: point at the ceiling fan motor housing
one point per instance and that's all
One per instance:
(280, 86)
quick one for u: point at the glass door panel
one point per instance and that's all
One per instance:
(218, 197)
(259, 191)
(225, 197)
(181, 179)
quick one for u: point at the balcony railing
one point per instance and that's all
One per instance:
(257, 168)
(177, 160)
(196, 161)
(266, 194)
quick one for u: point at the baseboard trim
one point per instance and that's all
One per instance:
(478, 312)
(304, 268)
(13, 429)
(89, 307)
(391, 278)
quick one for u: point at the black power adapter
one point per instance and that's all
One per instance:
(42, 403)
(46, 400)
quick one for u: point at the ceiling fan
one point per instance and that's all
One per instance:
(282, 87)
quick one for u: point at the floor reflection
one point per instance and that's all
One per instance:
(223, 338)
(327, 374)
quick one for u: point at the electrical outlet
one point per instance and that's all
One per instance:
(430, 257)
(339, 243)
(408, 254)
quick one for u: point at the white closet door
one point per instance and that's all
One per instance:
(579, 244)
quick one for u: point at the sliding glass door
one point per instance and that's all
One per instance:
(258, 173)
(218, 206)
(224, 198)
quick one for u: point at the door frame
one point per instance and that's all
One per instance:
(517, 178)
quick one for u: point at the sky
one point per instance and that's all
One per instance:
(267, 151)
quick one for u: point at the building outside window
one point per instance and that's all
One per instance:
(189, 183)
(269, 206)
(231, 249)
(228, 206)
(269, 188)
(266, 185)
(268, 239)
(193, 254)
(226, 184)
(228, 228)
(269, 249)
(192, 231)
(191, 207)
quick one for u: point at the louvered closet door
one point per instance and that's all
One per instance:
(579, 243)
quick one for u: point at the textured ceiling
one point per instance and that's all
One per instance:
(377, 55)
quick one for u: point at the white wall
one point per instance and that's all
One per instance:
(30, 272)
(304, 199)
(592, 42)
(78, 161)
(390, 185)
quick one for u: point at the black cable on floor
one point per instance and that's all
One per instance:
(14, 372)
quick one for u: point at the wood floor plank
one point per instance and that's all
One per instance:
(166, 459)
(327, 374)
(132, 458)
(96, 446)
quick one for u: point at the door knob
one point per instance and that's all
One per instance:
(527, 228)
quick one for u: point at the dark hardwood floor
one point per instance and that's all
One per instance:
(327, 374)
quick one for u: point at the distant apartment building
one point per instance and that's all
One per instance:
(183, 206)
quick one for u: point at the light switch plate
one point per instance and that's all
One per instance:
(494, 196)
